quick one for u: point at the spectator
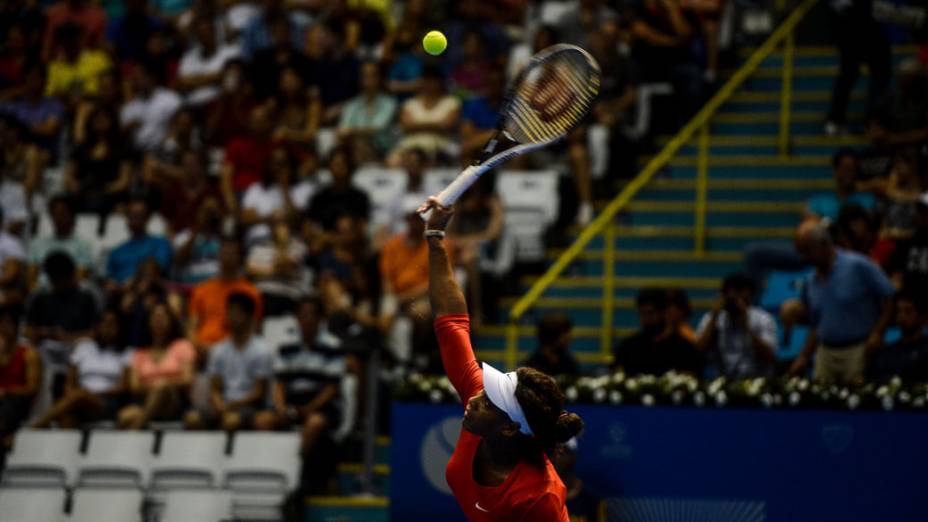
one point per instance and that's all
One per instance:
(298, 110)
(877, 158)
(415, 163)
(348, 274)
(367, 119)
(64, 311)
(229, 115)
(576, 25)
(125, 259)
(908, 264)
(276, 265)
(196, 248)
(660, 36)
(21, 163)
(707, 14)
(246, 157)
(109, 95)
(479, 115)
(282, 53)
(161, 373)
(12, 269)
(75, 70)
(86, 16)
(857, 231)
(481, 245)
(184, 188)
(20, 375)
(334, 70)
(407, 65)
(148, 115)
(97, 378)
(239, 369)
(860, 39)
(908, 357)
(429, 118)
(63, 239)
(655, 349)
(305, 183)
(679, 312)
(129, 34)
(469, 78)
(207, 307)
(306, 379)
(183, 135)
(201, 68)
(98, 174)
(903, 190)
(848, 304)
(147, 286)
(467, 17)
(14, 55)
(553, 357)
(271, 200)
(273, 28)
(742, 336)
(340, 198)
(905, 109)
(42, 115)
(845, 166)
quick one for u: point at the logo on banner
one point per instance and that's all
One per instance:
(437, 448)
(837, 438)
(616, 447)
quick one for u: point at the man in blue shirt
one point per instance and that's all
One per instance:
(846, 168)
(848, 303)
(125, 259)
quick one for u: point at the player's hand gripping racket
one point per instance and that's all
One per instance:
(547, 99)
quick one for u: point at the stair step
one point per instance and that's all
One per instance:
(759, 170)
(718, 238)
(356, 509)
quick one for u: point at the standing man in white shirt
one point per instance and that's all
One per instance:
(743, 337)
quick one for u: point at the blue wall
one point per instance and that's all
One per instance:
(794, 465)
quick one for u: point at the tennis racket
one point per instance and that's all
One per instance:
(548, 98)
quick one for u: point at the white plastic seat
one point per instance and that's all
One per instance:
(43, 458)
(188, 460)
(27, 504)
(551, 11)
(280, 331)
(104, 505)
(116, 459)
(262, 469)
(384, 187)
(115, 231)
(200, 505)
(157, 225)
(530, 202)
(263, 462)
(439, 178)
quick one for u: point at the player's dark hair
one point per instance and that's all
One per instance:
(542, 403)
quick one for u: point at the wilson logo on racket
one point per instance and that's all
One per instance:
(552, 96)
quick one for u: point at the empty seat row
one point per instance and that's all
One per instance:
(259, 461)
(111, 505)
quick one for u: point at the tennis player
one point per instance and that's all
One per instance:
(512, 421)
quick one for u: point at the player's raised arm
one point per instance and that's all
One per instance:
(444, 294)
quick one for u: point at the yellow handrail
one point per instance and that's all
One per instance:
(657, 162)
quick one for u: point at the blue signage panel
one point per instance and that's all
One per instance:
(719, 464)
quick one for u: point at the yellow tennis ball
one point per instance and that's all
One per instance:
(434, 43)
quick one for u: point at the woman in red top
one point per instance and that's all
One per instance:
(500, 468)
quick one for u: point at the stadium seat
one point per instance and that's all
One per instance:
(200, 505)
(263, 468)
(28, 505)
(116, 459)
(43, 458)
(439, 178)
(348, 390)
(531, 201)
(552, 11)
(157, 225)
(188, 460)
(104, 505)
(384, 187)
(263, 462)
(279, 331)
(115, 230)
(780, 287)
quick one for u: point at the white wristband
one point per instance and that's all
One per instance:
(435, 233)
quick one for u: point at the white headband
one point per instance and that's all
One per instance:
(501, 390)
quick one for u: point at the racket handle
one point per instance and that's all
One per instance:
(456, 188)
(465, 179)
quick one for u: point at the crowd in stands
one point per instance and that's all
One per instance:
(174, 174)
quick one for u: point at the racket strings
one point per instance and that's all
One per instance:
(553, 98)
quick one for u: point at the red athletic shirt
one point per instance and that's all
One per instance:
(531, 492)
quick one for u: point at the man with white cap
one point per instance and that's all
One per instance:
(513, 422)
